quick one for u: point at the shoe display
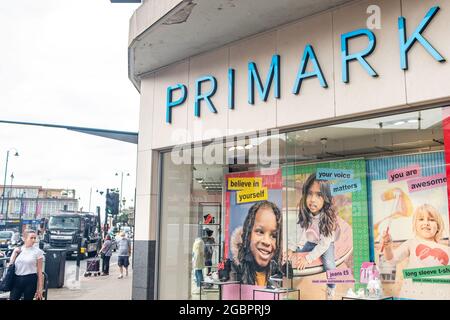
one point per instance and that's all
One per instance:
(275, 282)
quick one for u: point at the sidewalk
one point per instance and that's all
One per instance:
(97, 288)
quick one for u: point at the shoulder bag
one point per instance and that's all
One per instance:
(9, 275)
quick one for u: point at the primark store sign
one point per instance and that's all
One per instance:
(309, 59)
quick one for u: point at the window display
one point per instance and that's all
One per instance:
(328, 223)
(343, 198)
(410, 214)
(210, 218)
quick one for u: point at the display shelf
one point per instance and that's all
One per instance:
(212, 210)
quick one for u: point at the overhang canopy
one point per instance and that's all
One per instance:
(190, 27)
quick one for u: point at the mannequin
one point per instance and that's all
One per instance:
(198, 260)
(209, 241)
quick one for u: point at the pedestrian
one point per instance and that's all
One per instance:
(124, 250)
(29, 280)
(106, 252)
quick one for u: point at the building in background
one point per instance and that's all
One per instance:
(33, 203)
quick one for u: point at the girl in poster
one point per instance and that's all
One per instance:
(317, 222)
(422, 251)
(256, 245)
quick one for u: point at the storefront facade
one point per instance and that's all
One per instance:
(234, 112)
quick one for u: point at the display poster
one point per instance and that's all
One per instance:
(253, 224)
(410, 217)
(327, 229)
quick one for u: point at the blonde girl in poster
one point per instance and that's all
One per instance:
(424, 250)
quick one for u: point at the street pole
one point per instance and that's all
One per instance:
(120, 200)
(90, 195)
(77, 274)
(120, 192)
(9, 194)
(99, 228)
(4, 184)
(105, 231)
(20, 215)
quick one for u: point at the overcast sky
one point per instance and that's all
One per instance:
(65, 62)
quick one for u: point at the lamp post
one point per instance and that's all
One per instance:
(105, 231)
(121, 186)
(21, 213)
(9, 194)
(4, 181)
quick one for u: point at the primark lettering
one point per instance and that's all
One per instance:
(309, 58)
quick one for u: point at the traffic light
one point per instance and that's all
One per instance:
(115, 203)
(112, 203)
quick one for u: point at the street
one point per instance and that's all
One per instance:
(93, 288)
(71, 267)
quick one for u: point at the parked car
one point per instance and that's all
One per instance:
(8, 239)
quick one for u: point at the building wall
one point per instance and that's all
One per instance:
(36, 202)
(424, 82)
(148, 13)
(394, 89)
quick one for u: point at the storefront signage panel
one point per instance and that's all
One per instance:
(309, 59)
(413, 213)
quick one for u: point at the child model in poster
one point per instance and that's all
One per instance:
(317, 223)
(256, 245)
(422, 251)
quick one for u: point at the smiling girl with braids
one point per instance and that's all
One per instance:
(256, 245)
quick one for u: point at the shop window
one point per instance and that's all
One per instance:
(327, 199)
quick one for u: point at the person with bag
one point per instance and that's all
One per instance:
(7, 280)
(105, 253)
(27, 261)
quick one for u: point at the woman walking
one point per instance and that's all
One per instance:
(29, 280)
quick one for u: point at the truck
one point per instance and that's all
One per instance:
(64, 230)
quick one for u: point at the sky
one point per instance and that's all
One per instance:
(65, 62)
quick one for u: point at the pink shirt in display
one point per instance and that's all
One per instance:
(422, 253)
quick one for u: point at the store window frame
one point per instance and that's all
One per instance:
(283, 131)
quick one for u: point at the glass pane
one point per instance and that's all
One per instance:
(347, 185)
(190, 211)
(321, 198)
